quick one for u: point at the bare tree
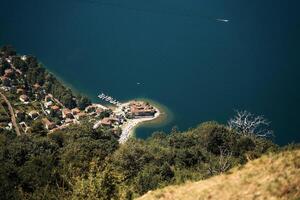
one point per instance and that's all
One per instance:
(222, 163)
(247, 123)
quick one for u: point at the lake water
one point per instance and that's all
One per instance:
(199, 67)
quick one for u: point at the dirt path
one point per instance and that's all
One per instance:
(12, 114)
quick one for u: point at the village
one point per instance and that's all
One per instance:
(32, 103)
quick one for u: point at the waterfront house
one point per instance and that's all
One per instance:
(141, 109)
(142, 112)
(91, 108)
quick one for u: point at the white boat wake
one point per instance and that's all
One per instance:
(223, 20)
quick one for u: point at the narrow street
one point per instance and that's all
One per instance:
(12, 114)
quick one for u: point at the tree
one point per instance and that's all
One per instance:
(37, 127)
(19, 64)
(68, 100)
(246, 123)
(99, 184)
(3, 66)
(8, 51)
(221, 163)
(83, 102)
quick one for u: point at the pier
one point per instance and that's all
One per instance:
(109, 99)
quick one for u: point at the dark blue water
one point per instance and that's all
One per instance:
(200, 68)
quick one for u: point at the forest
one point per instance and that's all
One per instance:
(83, 163)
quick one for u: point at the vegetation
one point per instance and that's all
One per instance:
(39, 167)
(274, 176)
(82, 163)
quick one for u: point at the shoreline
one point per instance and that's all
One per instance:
(128, 128)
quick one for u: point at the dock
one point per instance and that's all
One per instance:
(109, 99)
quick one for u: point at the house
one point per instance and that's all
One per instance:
(105, 122)
(75, 111)
(141, 109)
(142, 112)
(8, 60)
(91, 108)
(9, 73)
(108, 121)
(48, 125)
(9, 126)
(33, 114)
(66, 113)
(48, 104)
(36, 86)
(48, 98)
(24, 126)
(20, 91)
(24, 98)
(99, 111)
(24, 58)
(68, 121)
(54, 108)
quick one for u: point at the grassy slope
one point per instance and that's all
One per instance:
(274, 176)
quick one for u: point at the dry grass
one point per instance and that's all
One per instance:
(274, 176)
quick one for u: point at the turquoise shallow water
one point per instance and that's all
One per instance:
(200, 68)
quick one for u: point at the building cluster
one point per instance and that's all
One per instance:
(133, 110)
(138, 109)
(33, 103)
(64, 116)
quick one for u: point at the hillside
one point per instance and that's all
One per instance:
(55, 144)
(274, 176)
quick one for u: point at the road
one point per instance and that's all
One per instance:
(12, 114)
